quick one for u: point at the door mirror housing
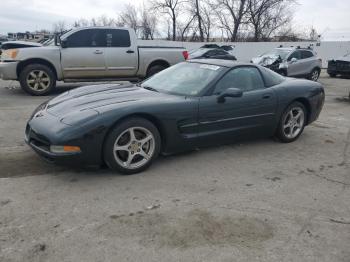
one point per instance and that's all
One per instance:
(230, 92)
(64, 43)
(294, 60)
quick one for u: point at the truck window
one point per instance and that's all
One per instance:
(88, 38)
(118, 38)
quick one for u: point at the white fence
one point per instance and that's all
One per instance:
(244, 51)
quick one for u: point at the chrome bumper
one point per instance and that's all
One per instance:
(8, 70)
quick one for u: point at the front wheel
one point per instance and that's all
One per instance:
(292, 123)
(132, 146)
(37, 79)
(314, 75)
(332, 75)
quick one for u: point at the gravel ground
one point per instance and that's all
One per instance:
(255, 201)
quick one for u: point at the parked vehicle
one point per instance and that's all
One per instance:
(292, 61)
(86, 54)
(190, 105)
(340, 66)
(228, 48)
(206, 53)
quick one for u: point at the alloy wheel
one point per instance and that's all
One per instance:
(38, 80)
(134, 147)
(293, 122)
(314, 75)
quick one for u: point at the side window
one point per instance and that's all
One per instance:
(306, 54)
(118, 38)
(88, 38)
(295, 54)
(245, 78)
(211, 53)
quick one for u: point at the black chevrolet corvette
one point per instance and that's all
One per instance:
(187, 106)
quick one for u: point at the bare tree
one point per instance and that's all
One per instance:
(171, 8)
(130, 17)
(230, 14)
(267, 16)
(148, 24)
(208, 19)
(59, 27)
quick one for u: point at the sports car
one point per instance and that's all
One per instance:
(190, 105)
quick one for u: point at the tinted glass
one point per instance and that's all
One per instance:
(271, 77)
(244, 78)
(87, 38)
(295, 54)
(306, 54)
(184, 78)
(118, 38)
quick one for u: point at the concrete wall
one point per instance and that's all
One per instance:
(244, 51)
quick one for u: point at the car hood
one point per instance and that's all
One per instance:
(265, 60)
(96, 97)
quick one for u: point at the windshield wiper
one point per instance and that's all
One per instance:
(150, 88)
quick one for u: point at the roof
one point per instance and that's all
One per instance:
(218, 62)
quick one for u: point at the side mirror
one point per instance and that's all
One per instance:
(64, 43)
(230, 92)
(294, 60)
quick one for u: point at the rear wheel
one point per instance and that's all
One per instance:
(333, 75)
(132, 146)
(154, 70)
(292, 123)
(314, 75)
(37, 79)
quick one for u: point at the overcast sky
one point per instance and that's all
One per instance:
(329, 17)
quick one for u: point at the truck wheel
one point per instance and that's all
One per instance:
(37, 79)
(333, 75)
(154, 70)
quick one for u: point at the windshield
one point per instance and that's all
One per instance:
(187, 79)
(278, 52)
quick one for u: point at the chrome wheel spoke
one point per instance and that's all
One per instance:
(144, 154)
(32, 74)
(127, 163)
(134, 147)
(145, 140)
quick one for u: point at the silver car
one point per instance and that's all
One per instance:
(292, 61)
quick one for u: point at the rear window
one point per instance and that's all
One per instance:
(118, 38)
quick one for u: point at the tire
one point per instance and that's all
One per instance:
(333, 75)
(127, 155)
(289, 130)
(154, 70)
(37, 79)
(314, 75)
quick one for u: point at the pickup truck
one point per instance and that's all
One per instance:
(86, 54)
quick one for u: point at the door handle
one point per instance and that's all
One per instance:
(266, 96)
(98, 52)
(130, 51)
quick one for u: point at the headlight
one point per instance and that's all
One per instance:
(9, 54)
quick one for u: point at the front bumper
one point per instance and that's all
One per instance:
(44, 130)
(8, 70)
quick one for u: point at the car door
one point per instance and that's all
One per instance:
(251, 114)
(295, 64)
(120, 53)
(82, 54)
(308, 60)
